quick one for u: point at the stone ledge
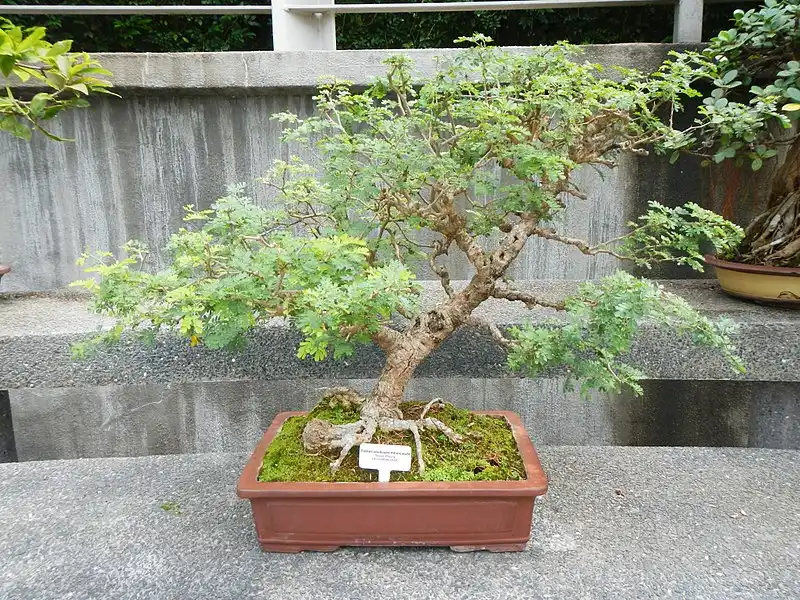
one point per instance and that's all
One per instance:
(616, 523)
(37, 330)
(255, 73)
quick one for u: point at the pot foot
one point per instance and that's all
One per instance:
(290, 549)
(491, 548)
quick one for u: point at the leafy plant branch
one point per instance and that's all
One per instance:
(69, 78)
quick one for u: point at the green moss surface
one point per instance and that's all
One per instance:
(488, 451)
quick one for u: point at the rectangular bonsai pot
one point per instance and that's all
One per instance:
(469, 515)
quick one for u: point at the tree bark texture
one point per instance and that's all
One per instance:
(773, 238)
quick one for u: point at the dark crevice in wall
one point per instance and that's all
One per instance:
(8, 447)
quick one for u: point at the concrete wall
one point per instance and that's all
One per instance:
(187, 125)
(231, 416)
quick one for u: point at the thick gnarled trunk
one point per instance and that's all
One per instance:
(386, 396)
(773, 238)
(406, 351)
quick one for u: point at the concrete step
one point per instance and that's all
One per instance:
(36, 331)
(616, 523)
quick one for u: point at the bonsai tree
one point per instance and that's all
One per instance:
(750, 116)
(68, 77)
(477, 161)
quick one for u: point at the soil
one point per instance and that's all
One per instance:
(488, 452)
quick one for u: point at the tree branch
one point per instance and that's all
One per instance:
(504, 291)
(439, 249)
(581, 245)
(386, 338)
(493, 329)
(511, 245)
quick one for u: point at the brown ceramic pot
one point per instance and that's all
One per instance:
(757, 282)
(3, 270)
(470, 515)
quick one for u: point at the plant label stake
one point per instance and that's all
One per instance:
(385, 458)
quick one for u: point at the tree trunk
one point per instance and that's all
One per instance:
(423, 337)
(404, 353)
(773, 238)
(386, 396)
(435, 326)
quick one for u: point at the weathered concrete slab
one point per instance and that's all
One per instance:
(36, 332)
(137, 162)
(143, 420)
(617, 523)
(189, 124)
(267, 72)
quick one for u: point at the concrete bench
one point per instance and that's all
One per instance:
(37, 330)
(135, 400)
(616, 523)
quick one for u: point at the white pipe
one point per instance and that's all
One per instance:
(50, 9)
(413, 7)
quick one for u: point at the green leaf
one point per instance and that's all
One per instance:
(756, 164)
(56, 80)
(15, 128)
(31, 40)
(60, 47)
(79, 87)
(63, 64)
(39, 103)
(793, 93)
(729, 76)
(6, 64)
(22, 74)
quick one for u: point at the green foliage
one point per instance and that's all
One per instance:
(487, 146)
(399, 155)
(237, 269)
(172, 507)
(156, 33)
(601, 321)
(678, 235)
(69, 77)
(172, 33)
(755, 78)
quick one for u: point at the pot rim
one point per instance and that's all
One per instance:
(754, 269)
(535, 483)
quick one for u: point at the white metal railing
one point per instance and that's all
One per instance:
(299, 25)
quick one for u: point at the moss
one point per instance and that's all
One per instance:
(172, 507)
(488, 452)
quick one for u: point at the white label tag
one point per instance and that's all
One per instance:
(385, 458)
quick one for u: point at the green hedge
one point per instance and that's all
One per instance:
(424, 30)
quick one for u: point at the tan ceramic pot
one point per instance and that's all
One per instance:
(756, 282)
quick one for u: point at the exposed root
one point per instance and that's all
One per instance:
(321, 436)
(431, 423)
(437, 402)
(406, 425)
(774, 237)
(363, 436)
